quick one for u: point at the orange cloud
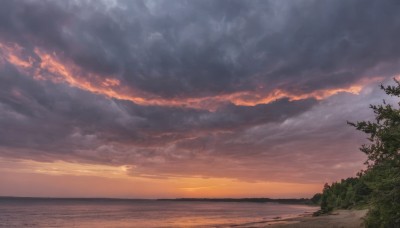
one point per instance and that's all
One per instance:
(278, 94)
(51, 67)
(11, 54)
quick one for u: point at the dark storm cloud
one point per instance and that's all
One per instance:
(191, 49)
(197, 48)
(56, 118)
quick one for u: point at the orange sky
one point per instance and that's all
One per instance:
(62, 179)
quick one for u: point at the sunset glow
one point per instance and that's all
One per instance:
(77, 177)
(165, 99)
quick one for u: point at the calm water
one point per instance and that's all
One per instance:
(132, 213)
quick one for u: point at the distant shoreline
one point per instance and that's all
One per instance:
(73, 198)
(248, 200)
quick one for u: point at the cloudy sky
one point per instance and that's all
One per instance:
(195, 98)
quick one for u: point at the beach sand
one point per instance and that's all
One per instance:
(337, 219)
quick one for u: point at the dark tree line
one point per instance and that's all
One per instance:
(378, 187)
(349, 193)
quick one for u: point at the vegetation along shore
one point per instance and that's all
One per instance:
(376, 189)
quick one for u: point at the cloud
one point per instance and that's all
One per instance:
(44, 66)
(181, 49)
(254, 90)
(42, 115)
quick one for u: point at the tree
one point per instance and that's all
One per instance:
(316, 199)
(383, 151)
(325, 207)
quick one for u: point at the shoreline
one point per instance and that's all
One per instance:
(338, 218)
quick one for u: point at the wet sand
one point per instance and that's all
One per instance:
(337, 219)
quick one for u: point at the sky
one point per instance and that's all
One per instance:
(175, 98)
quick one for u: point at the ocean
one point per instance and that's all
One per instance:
(36, 212)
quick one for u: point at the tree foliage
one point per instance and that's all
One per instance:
(348, 193)
(383, 153)
(379, 185)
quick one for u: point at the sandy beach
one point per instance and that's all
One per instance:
(337, 219)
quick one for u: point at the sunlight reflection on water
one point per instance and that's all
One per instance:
(108, 213)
